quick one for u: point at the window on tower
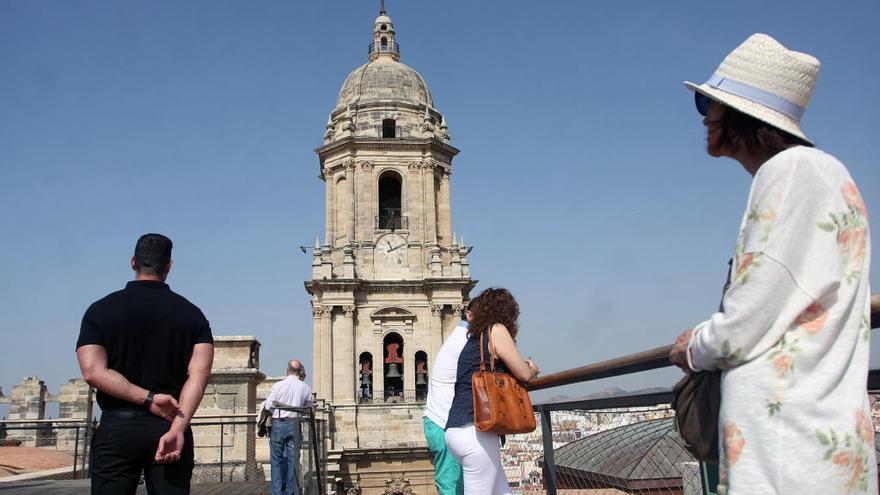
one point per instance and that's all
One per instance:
(383, 27)
(389, 202)
(389, 128)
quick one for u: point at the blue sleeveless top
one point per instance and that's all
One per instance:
(462, 410)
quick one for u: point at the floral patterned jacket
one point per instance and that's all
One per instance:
(793, 337)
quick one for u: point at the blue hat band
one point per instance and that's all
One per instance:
(757, 95)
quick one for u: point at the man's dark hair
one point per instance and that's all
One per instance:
(742, 131)
(152, 254)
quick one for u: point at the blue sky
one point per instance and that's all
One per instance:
(582, 182)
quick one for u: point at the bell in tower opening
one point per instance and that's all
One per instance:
(393, 367)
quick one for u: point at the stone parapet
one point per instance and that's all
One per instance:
(236, 351)
(231, 390)
(28, 401)
(74, 402)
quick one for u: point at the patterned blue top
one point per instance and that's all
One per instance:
(462, 411)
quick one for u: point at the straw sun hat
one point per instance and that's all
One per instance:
(766, 80)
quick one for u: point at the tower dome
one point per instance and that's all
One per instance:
(384, 80)
(384, 97)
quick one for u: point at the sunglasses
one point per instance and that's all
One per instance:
(702, 102)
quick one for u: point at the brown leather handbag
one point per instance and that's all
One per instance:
(501, 403)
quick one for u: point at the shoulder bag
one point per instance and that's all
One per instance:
(501, 403)
(696, 399)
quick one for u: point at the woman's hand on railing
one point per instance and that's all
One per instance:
(678, 355)
(534, 368)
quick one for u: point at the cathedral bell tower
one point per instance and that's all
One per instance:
(390, 280)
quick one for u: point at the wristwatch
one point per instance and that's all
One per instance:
(148, 400)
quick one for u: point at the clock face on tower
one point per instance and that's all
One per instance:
(392, 249)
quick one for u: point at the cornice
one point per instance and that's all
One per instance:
(373, 286)
(406, 144)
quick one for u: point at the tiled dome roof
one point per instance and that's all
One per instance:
(384, 80)
(644, 455)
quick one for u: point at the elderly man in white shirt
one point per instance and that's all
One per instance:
(441, 390)
(286, 436)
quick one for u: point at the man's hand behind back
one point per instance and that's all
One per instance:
(165, 406)
(170, 446)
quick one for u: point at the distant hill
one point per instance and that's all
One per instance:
(608, 392)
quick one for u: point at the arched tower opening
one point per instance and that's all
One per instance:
(365, 374)
(390, 186)
(393, 368)
(421, 371)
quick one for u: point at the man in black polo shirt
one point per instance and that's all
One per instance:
(149, 352)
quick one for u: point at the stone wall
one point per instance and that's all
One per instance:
(377, 425)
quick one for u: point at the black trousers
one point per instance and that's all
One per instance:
(124, 445)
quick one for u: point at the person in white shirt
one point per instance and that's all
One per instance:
(286, 436)
(441, 389)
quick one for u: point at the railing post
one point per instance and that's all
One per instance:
(87, 441)
(221, 451)
(75, 450)
(549, 462)
(313, 433)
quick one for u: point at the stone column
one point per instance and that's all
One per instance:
(73, 403)
(352, 195)
(327, 352)
(344, 362)
(28, 401)
(317, 355)
(365, 201)
(430, 208)
(378, 364)
(456, 316)
(445, 209)
(437, 335)
(330, 208)
(409, 368)
(414, 204)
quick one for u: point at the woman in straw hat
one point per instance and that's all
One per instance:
(792, 337)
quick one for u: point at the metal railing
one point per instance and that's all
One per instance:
(51, 449)
(227, 451)
(391, 396)
(315, 447)
(391, 219)
(626, 444)
(391, 47)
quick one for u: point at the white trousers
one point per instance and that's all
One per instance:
(479, 454)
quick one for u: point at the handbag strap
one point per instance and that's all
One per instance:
(491, 353)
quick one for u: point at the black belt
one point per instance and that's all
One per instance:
(116, 414)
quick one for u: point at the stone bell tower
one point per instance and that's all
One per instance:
(390, 280)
